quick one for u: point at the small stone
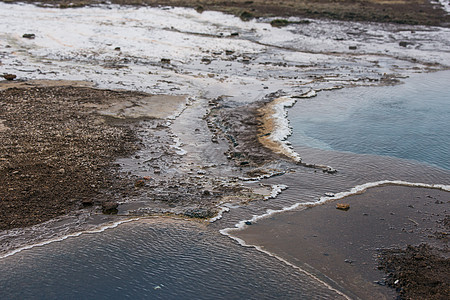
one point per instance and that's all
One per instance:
(110, 208)
(248, 223)
(87, 202)
(403, 44)
(9, 76)
(349, 261)
(29, 36)
(139, 183)
(352, 47)
(343, 206)
(117, 48)
(246, 16)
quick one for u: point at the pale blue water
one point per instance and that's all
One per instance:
(410, 121)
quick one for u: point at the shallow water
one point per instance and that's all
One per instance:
(162, 259)
(408, 121)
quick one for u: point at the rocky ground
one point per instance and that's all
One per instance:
(417, 272)
(402, 12)
(59, 153)
(56, 154)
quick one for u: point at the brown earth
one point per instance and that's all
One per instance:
(56, 153)
(394, 11)
(417, 272)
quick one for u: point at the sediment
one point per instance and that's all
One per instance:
(57, 154)
(414, 12)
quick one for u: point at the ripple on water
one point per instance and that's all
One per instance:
(163, 259)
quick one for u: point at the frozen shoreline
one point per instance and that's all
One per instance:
(201, 55)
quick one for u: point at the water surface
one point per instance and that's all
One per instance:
(408, 121)
(163, 259)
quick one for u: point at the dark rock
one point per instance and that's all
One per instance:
(279, 23)
(229, 52)
(117, 48)
(248, 223)
(352, 47)
(165, 60)
(206, 61)
(403, 44)
(234, 34)
(87, 202)
(9, 76)
(199, 213)
(199, 9)
(110, 208)
(29, 36)
(246, 16)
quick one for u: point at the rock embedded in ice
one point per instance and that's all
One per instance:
(9, 76)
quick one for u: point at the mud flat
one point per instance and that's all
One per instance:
(347, 248)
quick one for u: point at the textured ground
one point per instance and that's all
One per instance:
(396, 11)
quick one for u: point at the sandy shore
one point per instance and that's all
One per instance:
(344, 247)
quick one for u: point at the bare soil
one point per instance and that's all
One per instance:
(393, 11)
(417, 272)
(56, 153)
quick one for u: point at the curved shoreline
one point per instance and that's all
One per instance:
(60, 239)
(254, 237)
(338, 196)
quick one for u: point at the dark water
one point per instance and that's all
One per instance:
(408, 121)
(164, 259)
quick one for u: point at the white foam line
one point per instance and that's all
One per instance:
(282, 128)
(219, 215)
(354, 191)
(276, 190)
(60, 239)
(259, 248)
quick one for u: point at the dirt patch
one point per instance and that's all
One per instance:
(417, 272)
(404, 12)
(241, 125)
(56, 153)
